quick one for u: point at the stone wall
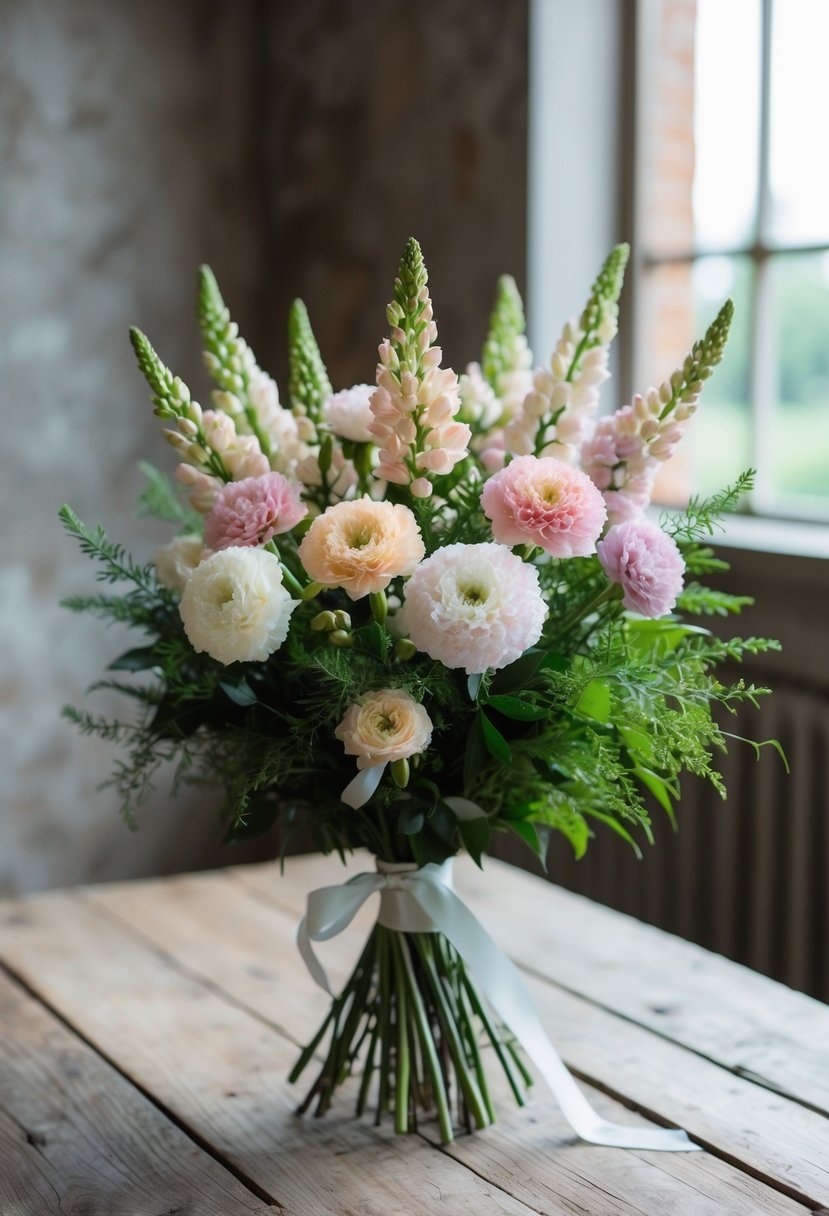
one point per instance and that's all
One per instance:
(126, 160)
(294, 147)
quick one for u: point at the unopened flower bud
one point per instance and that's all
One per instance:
(405, 649)
(325, 455)
(228, 402)
(180, 390)
(342, 620)
(324, 622)
(177, 441)
(311, 591)
(400, 773)
(340, 638)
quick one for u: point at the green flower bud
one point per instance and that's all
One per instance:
(400, 773)
(342, 619)
(379, 606)
(405, 649)
(324, 622)
(326, 454)
(340, 638)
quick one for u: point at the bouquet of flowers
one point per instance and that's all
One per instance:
(408, 617)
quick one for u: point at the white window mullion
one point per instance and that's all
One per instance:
(763, 376)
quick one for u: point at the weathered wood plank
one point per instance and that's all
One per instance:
(191, 918)
(75, 1136)
(742, 1020)
(221, 1072)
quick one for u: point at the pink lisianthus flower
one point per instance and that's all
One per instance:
(252, 511)
(543, 501)
(646, 563)
(473, 606)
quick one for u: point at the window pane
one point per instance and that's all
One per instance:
(726, 121)
(799, 145)
(702, 121)
(679, 302)
(799, 448)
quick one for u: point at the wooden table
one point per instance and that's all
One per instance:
(148, 1027)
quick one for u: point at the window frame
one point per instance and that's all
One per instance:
(761, 252)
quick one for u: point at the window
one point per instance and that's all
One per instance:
(732, 198)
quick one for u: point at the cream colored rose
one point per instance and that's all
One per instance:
(235, 607)
(361, 546)
(176, 561)
(384, 726)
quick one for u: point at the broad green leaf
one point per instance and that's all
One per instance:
(638, 744)
(372, 639)
(525, 831)
(138, 659)
(495, 742)
(616, 827)
(659, 789)
(475, 752)
(594, 702)
(512, 707)
(443, 823)
(662, 635)
(411, 819)
(475, 834)
(520, 673)
(428, 849)
(240, 694)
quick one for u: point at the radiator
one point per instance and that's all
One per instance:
(746, 877)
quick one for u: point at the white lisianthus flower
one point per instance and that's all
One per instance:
(235, 607)
(348, 413)
(176, 561)
(473, 606)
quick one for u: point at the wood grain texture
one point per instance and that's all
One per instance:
(531, 1153)
(779, 1138)
(76, 1137)
(200, 999)
(221, 1072)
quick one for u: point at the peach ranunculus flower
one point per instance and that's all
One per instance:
(361, 546)
(543, 501)
(384, 726)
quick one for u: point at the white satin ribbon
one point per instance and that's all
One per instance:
(422, 901)
(361, 787)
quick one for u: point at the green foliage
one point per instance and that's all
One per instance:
(698, 600)
(160, 499)
(117, 565)
(506, 323)
(604, 295)
(309, 386)
(701, 517)
(405, 313)
(227, 356)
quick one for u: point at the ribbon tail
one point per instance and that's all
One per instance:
(361, 787)
(504, 988)
(330, 910)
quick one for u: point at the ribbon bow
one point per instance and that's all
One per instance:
(422, 901)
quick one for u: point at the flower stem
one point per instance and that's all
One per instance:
(427, 1043)
(448, 1024)
(401, 1087)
